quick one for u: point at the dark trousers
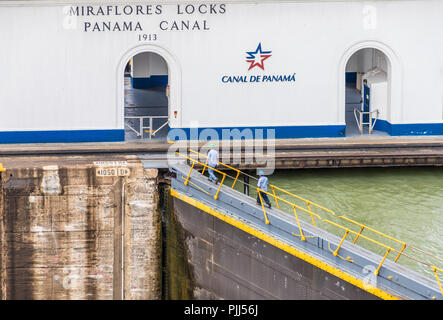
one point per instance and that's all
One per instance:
(264, 197)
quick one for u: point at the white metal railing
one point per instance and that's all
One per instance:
(142, 128)
(359, 119)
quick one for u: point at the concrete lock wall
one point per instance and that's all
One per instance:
(219, 261)
(75, 231)
(63, 69)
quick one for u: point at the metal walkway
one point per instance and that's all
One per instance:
(379, 274)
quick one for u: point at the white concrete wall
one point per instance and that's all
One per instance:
(54, 76)
(441, 82)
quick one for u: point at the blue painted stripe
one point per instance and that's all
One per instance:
(152, 81)
(409, 129)
(62, 136)
(280, 132)
(383, 125)
(415, 129)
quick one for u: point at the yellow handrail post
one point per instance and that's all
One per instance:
(275, 198)
(2, 169)
(189, 174)
(298, 222)
(438, 280)
(383, 260)
(310, 212)
(219, 187)
(401, 251)
(358, 235)
(238, 173)
(262, 206)
(341, 242)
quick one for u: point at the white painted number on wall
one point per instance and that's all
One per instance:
(112, 172)
(110, 163)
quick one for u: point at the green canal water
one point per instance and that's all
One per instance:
(404, 203)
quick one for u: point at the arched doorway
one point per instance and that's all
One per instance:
(357, 58)
(148, 93)
(367, 98)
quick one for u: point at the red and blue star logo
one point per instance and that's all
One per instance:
(257, 57)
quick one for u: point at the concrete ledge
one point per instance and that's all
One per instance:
(289, 153)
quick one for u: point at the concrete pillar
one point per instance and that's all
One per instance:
(142, 238)
(69, 231)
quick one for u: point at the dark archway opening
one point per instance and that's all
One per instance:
(146, 96)
(367, 96)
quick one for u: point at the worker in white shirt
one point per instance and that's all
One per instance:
(263, 185)
(212, 161)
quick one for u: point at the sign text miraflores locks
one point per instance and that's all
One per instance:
(95, 16)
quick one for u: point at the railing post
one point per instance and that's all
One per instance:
(238, 173)
(189, 174)
(298, 223)
(360, 126)
(310, 212)
(358, 235)
(219, 187)
(401, 251)
(262, 206)
(341, 242)
(438, 279)
(275, 198)
(141, 127)
(150, 128)
(383, 260)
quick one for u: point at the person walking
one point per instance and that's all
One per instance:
(212, 161)
(263, 185)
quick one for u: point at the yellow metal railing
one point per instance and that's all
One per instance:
(273, 188)
(205, 166)
(363, 227)
(2, 169)
(279, 200)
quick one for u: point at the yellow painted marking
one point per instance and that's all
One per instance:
(285, 247)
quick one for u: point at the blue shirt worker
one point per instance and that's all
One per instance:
(263, 185)
(212, 162)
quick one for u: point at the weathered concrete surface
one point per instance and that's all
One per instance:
(228, 263)
(142, 237)
(178, 282)
(362, 151)
(61, 230)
